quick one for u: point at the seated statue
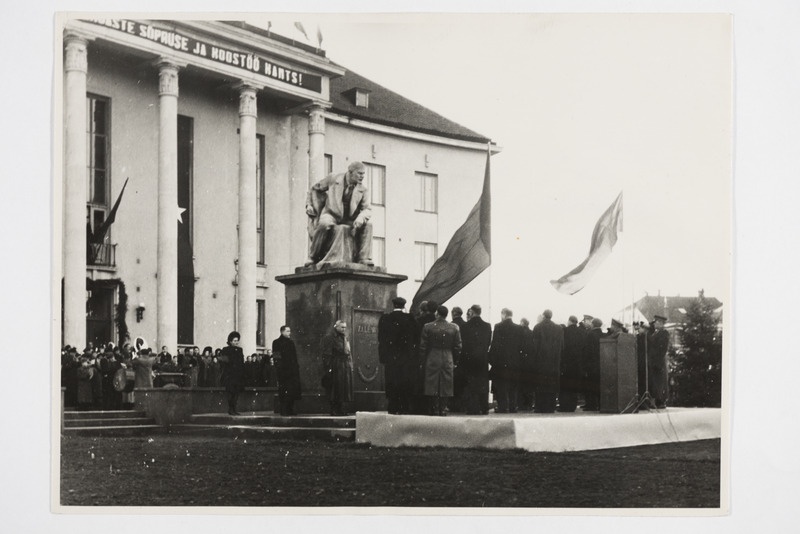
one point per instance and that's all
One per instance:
(339, 211)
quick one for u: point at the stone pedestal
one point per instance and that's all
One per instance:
(315, 298)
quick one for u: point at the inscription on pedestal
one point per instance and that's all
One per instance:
(364, 343)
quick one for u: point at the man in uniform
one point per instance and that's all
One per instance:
(340, 199)
(397, 344)
(657, 347)
(548, 342)
(505, 356)
(476, 336)
(439, 345)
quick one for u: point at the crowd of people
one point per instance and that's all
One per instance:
(433, 366)
(88, 375)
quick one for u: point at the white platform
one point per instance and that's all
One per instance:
(539, 432)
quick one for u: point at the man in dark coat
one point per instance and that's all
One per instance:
(476, 336)
(231, 359)
(397, 345)
(527, 371)
(505, 355)
(456, 403)
(641, 356)
(591, 366)
(657, 347)
(288, 370)
(548, 343)
(571, 371)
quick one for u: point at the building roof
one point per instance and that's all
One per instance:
(673, 308)
(391, 109)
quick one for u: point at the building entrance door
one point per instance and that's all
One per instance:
(100, 316)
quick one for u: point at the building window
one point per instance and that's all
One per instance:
(426, 253)
(261, 309)
(328, 164)
(376, 183)
(379, 251)
(362, 98)
(260, 200)
(427, 192)
(97, 131)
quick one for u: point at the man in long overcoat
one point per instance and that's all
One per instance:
(571, 370)
(505, 356)
(527, 369)
(340, 199)
(338, 362)
(476, 336)
(657, 347)
(439, 346)
(548, 343)
(397, 346)
(288, 370)
(419, 403)
(591, 366)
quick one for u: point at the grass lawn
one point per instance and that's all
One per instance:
(178, 470)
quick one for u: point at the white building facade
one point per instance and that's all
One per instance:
(225, 126)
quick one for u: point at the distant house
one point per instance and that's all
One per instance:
(673, 308)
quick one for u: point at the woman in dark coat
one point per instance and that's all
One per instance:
(288, 371)
(338, 364)
(232, 360)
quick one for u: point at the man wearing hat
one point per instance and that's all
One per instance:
(397, 346)
(657, 347)
(571, 370)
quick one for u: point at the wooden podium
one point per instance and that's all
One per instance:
(618, 372)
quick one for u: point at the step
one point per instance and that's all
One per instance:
(128, 421)
(135, 430)
(300, 421)
(103, 414)
(266, 432)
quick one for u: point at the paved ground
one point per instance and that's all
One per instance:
(201, 471)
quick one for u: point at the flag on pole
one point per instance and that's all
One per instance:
(319, 36)
(467, 255)
(100, 233)
(299, 26)
(604, 238)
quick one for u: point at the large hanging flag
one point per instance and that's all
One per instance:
(100, 233)
(467, 255)
(604, 238)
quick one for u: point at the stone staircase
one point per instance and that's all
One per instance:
(108, 423)
(267, 425)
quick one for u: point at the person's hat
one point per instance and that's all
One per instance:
(587, 317)
(573, 319)
(616, 323)
(398, 302)
(660, 318)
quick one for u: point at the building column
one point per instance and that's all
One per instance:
(75, 173)
(167, 286)
(316, 144)
(248, 244)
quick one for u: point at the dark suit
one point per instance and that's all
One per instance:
(476, 336)
(232, 360)
(548, 343)
(527, 371)
(505, 356)
(571, 370)
(397, 346)
(419, 404)
(288, 371)
(456, 403)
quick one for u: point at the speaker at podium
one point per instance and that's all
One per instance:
(618, 372)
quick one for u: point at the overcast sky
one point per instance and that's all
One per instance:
(584, 106)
